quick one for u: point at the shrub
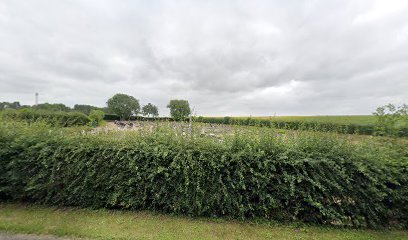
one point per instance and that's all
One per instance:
(61, 119)
(304, 177)
(111, 117)
(96, 117)
(392, 120)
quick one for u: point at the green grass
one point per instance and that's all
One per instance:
(341, 119)
(104, 224)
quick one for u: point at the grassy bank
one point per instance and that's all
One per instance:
(103, 224)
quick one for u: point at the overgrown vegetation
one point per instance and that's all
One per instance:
(388, 120)
(392, 120)
(344, 128)
(309, 177)
(292, 125)
(53, 118)
(96, 117)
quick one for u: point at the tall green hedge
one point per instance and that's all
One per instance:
(304, 177)
(61, 119)
(302, 125)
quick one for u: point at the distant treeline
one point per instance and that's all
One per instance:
(83, 108)
(64, 118)
(53, 118)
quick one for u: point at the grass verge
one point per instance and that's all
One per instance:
(106, 224)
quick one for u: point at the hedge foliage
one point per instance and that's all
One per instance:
(309, 177)
(363, 129)
(113, 117)
(60, 119)
(303, 125)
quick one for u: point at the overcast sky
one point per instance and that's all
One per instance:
(226, 57)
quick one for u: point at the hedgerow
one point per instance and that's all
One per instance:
(307, 177)
(113, 117)
(309, 125)
(60, 119)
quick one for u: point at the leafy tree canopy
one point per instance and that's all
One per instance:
(9, 105)
(123, 105)
(150, 110)
(391, 118)
(86, 109)
(179, 109)
(52, 107)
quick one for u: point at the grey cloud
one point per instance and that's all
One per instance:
(227, 57)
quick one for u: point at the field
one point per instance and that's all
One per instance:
(220, 131)
(357, 124)
(343, 119)
(363, 124)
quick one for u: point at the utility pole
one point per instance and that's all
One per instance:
(36, 98)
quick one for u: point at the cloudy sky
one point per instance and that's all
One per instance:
(226, 57)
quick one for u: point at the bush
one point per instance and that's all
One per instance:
(113, 117)
(96, 117)
(61, 119)
(392, 120)
(305, 177)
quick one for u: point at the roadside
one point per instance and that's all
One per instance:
(105, 224)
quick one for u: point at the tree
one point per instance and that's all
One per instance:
(150, 110)
(391, 118)
(123, 105)
(9, 105)
(86, 109)
(179, 109)
(52, 107)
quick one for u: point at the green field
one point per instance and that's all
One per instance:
(105, 224)
(340, 119)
